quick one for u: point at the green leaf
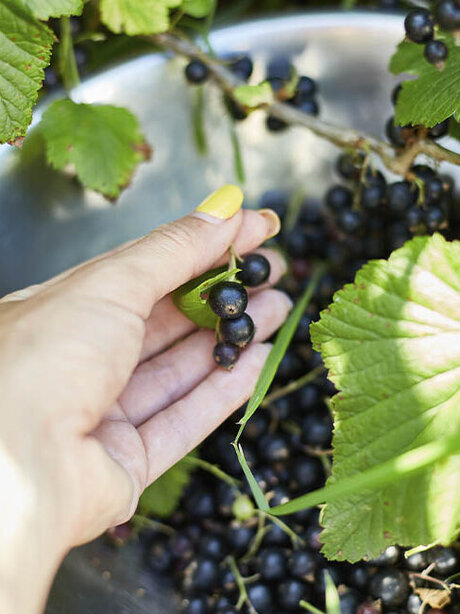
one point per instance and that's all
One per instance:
(253, 484)
(197, 8)
(190, 298)
(25, 49)
(391, 342)
(162, 497)
(434, 95)
(44, 9)
(137, 16)
(332, 595)
(254, 96)
(454, 129)
(278, 350)
(102, 142)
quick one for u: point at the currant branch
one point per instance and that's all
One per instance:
(346, 138)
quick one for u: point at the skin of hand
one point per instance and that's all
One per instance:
(105, 385)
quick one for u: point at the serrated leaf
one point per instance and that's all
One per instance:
(162, 497)
(25, 49)
(391, 342)
(197, 8)
(434, 95)
(44, 9)
(253, 96)
(102, 142)
(137, 16)
(190, 298)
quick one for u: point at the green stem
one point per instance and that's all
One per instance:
(243, 594)
(238, 163)
(293, 386)
(377, 477)
(198, 114)
(311, 608)
(213, 469)
(257, 541)
(296, 540)
(142, 522)
(66, 57)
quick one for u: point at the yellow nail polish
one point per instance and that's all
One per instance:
(273, 221)
(223, 203)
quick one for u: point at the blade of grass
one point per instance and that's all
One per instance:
(238, 163)
(199, 132)
(279, 348)
(332, 596)
(311, 608)
(254, 486)
(381, 475)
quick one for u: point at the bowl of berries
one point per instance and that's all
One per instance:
(337, 493)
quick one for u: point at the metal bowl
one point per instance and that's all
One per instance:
(49, 223)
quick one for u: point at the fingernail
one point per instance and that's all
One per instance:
(288, 301)
(273, 221)
(221, 204)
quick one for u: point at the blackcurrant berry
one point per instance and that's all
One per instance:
(307, 474)
(391, 586)
(272, 563)
(228, 299)
(196, 72)
(349, 165)
(274, 124)
(349, 599)
(350, 221)
(196, 605)
(302, 564)
(390, 556)
(445, 560)
(422, 171)
(419, 25)
(398, 135)
(317, 429)
(372, 195)
(255, 270)
(339, 198)
(50, 80)
(291, 592)
(296, 243)
(305, 89)
(260, 597)
(309, 107)
(436, 52)
(447, 14)
(414, 217)
(434, 190)
(205, 574)
(239, 537)
(239, 331)
(439, 130)
(401, 195)
(435, 218)
(273, 447)
(414, 604)
(226, 354)
(160, 557)
(417, 561)
(242, 67)
(213, 546)
(395, 93)
(235, 110)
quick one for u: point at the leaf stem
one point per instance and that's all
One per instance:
(297, 384)
(199, 131)
(66, 56)
(396, 162)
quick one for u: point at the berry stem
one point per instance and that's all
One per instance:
(296, 540)
(396, 162)
(243, 594)
(293, 386)
(215, 470)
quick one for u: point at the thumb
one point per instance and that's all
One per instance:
(138, 276)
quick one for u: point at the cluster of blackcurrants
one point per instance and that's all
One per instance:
(420, 28)
(228, 300)
(280, 74)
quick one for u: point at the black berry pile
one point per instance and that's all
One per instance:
(228, 300)
(287, 443)
(421, 27)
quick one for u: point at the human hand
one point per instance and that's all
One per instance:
(105, 385)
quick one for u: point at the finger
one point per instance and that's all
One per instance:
(174, 432)
(163, 380)
(166, 324)
(136, 278)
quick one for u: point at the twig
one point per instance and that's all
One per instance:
(243, 597)
(215, 470)
(398, 162)
(292, 386)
